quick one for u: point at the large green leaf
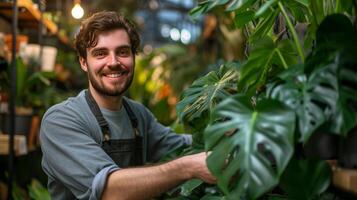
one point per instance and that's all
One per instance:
(207, 91)
(299, 9)
(264, 55)
(336, 51)
(264, 26)
(246, 142)
(313, 175)
(310, 97)
(345, 114)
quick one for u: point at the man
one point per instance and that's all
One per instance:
(93, 143)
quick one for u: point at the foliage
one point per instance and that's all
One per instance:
(36, 191)
(30, 84)
(160, 76)
(248, 141)
(249, 127)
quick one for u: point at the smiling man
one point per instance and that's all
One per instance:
(96, 145)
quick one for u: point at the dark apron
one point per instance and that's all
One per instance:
(124, 152)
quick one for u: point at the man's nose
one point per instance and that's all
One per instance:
(113, 60)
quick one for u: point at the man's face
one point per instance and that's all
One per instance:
(110, 64)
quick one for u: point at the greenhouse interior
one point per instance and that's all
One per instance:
(178, 99)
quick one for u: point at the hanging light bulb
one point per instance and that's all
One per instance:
(77, 10)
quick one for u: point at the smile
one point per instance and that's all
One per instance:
(115, 75)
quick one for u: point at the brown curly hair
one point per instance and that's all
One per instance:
(100, 22)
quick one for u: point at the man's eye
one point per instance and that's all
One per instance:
(124, 52)
(99, 54)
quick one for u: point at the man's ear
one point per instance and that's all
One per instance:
(83, 63)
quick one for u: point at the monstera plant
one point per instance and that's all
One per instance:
(255, 116)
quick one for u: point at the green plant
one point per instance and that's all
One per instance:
(30, 84)
(36, 191)
(256, 122)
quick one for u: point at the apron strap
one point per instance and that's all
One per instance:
(98, 114)
(133, 119)
(101, 120)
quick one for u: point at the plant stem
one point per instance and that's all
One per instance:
(337, 6)
(293, 32)
(282, 58)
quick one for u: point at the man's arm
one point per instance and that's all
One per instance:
(147, 182)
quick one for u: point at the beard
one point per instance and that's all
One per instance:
(102, 89)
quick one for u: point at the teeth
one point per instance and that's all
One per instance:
(114, 75)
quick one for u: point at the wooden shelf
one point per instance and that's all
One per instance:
(345, 179)
(20, 145)
(29, 16)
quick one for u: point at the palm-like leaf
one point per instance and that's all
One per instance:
(207, 91)
(247, 142)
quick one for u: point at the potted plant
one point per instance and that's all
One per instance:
(30, 86)
(256, 117)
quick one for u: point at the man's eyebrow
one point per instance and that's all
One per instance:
(98, 49)
(124, 46)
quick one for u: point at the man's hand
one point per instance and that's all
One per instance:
(147, 182)
(197, 167)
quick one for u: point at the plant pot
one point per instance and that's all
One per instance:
(322, 145)
(348, 150)
(23, 119)
(49, 53)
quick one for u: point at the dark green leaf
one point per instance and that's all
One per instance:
(247, 142)
(264, 26)
(298, 9)
(312, 174)
(263, 56)
(305, 95)
(242, 18)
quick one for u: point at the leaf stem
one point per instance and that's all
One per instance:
(337, 6)
(282, 58)
(293, 32)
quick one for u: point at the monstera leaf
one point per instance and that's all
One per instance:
(311, 97)
(265, 54)
(207, 91)
(250, 146)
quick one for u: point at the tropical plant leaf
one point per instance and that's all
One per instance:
(314, 175)
(263, 56)
(299, 9)
(264, 8)
(205, 6)
(310, 97)
(336, 52)
(264, 26)
(345, 114)
(189, 186)
(242, 18)
(207, 91)
(246, 142)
